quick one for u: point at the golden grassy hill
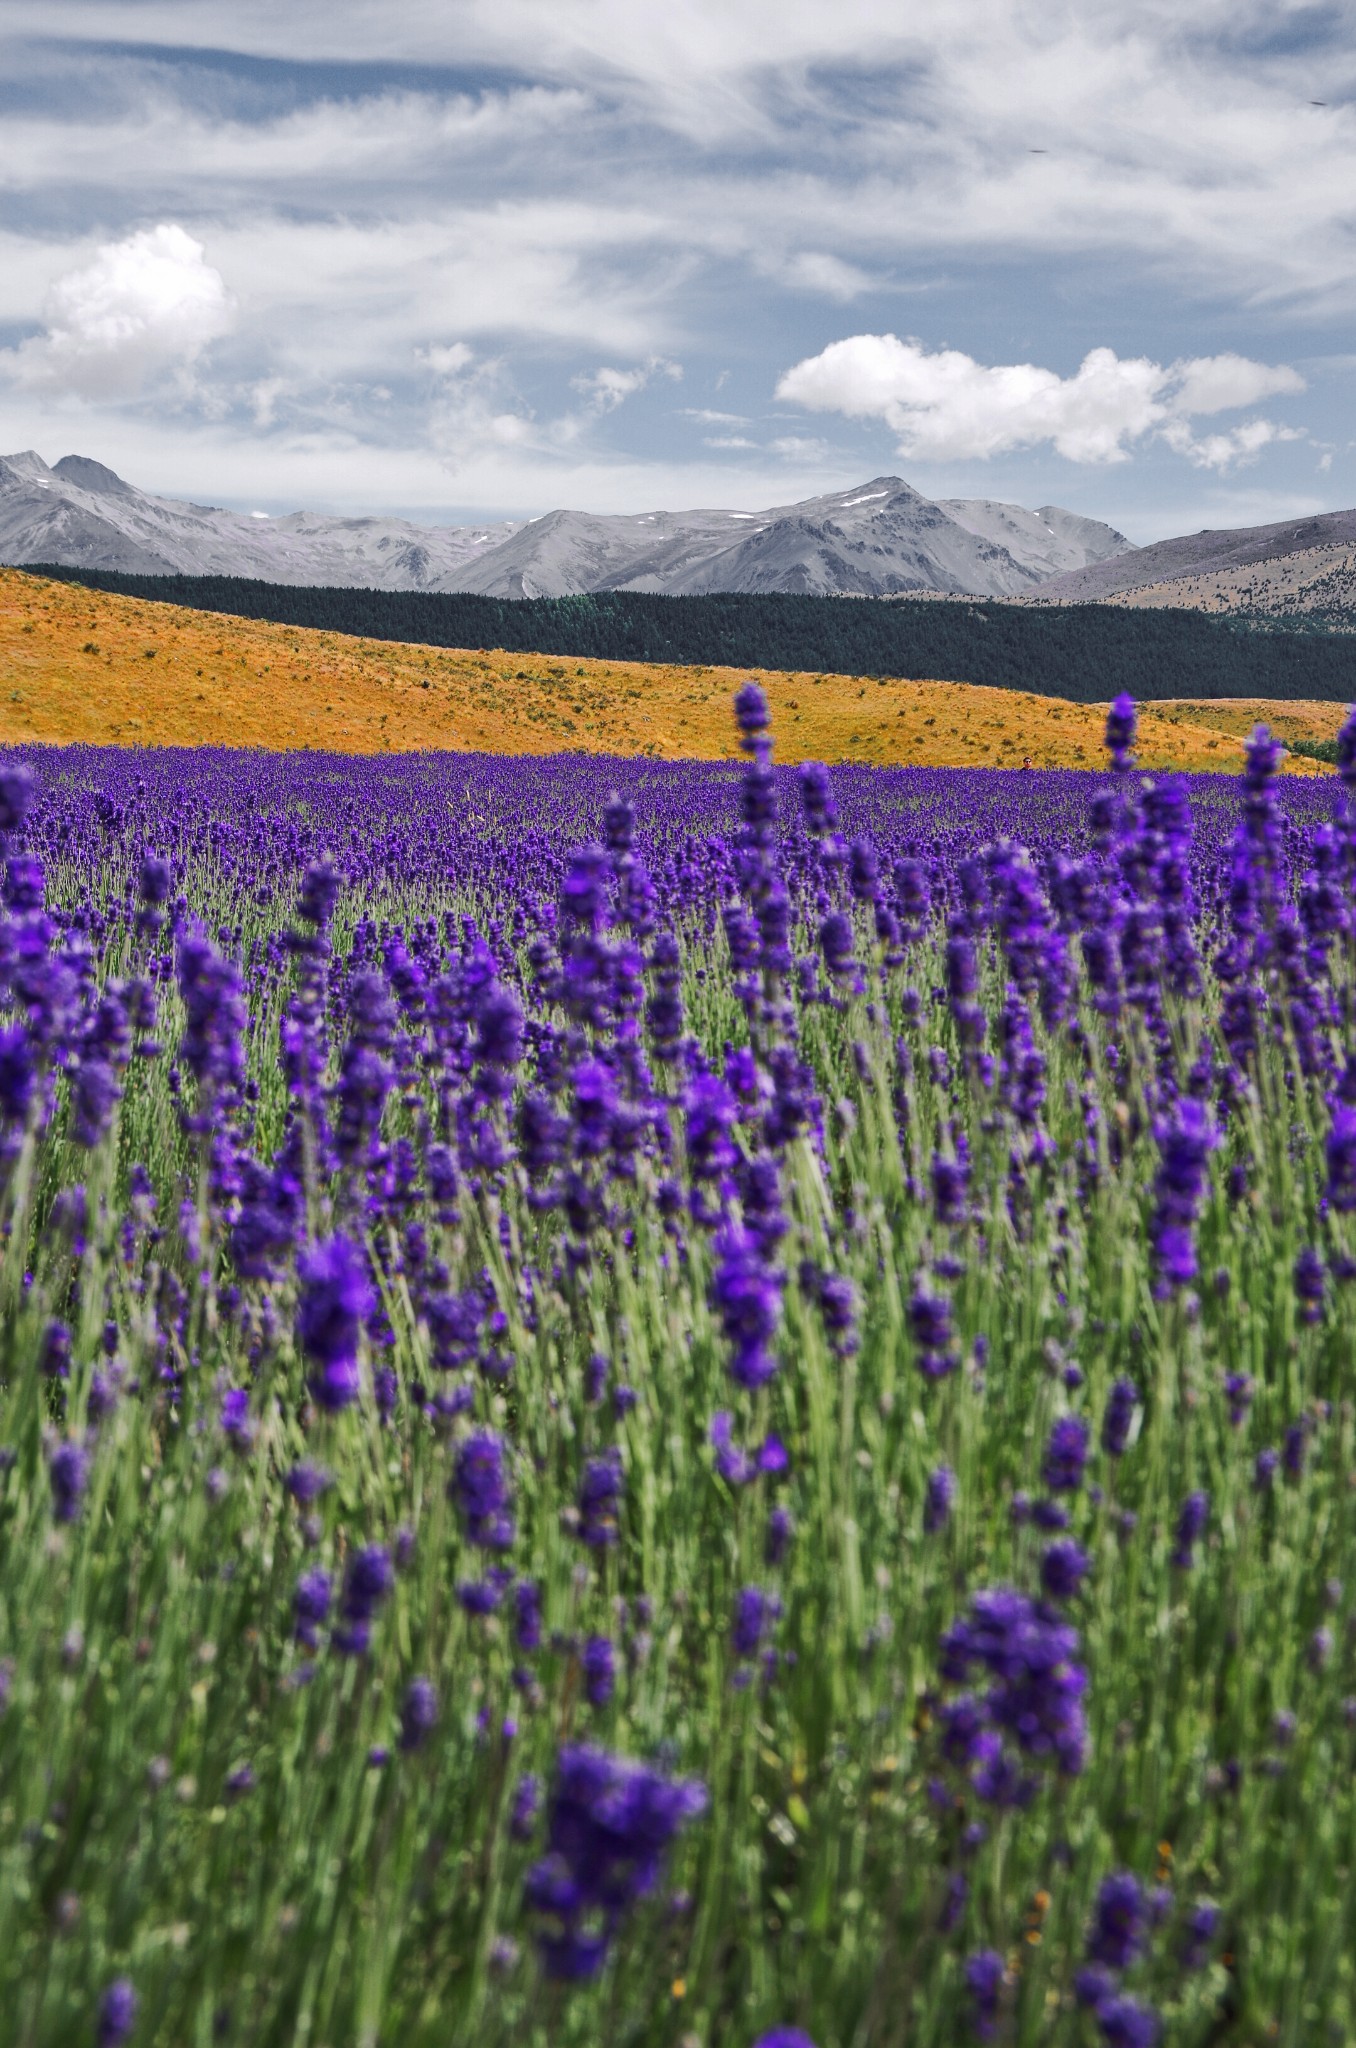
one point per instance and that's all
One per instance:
(79, 665)
(1300, 718)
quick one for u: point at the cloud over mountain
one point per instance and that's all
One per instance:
(942, 405)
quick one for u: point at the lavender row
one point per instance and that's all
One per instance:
(649, 1402)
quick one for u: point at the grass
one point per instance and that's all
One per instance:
(78, 665)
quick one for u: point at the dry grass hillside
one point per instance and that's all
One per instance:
(1296, 719)
(77, 665)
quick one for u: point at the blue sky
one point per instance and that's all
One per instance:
(468, 258)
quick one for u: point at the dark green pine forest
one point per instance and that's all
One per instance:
(1086, 653)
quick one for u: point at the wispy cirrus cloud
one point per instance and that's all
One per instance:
(560, 185)
(606, 388)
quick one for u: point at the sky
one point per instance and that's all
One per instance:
(467, 259)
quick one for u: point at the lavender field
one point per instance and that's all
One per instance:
(652, 1404)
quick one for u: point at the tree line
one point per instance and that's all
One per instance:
(1086, 653)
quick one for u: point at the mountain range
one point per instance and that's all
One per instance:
(879, 539)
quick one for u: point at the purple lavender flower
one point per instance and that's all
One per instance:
(1198, 1933)
(481, 1488)
(1125, 2023)
(964, 1729)
(1119, 1921)
(1064, 1566)
(838, 1307)
(18, 1074)
(68, 1471)
(1093, 1985)
(837, 941)
(733, 1463)
(336, 1298)
(271, 1218)
(1310, 1285)
(524, 1808)
(17, 790)
(755, 1616)
(235, 1418)
(816, 796)
(950, 1187)
(938, 1499)
(239, 1782)
(1192, 1518)
(746, 1294)
(600, 1497)
(306, 1483)
(600, 1670)
(1185, 1140)
(1346, 752)
(930, 1326)
(527, 1614)
(310, 1607)
(480, 1597)
(54, 1355)
(368, 1580)
(585, 891)
(117, 2013)
(1238, 1392)
(418, 1714)
(1066, 1454)
(711, 1114)
(784, 2037)
(984, 1972)
(215, 1015)
(320, 886)
(781, 1529)
(863, 871)
(94, 1091)
(1120, 1414)
(751, 714)
(1340, 1149)
(609, 1828)
(1120, 733)
(773, 1457)
(1035, 1696)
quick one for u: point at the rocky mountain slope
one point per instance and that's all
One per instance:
(80, 513)
(879, 539)
(1209, 555)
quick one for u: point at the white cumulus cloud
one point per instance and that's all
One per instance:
(144, 307)
(942, 405)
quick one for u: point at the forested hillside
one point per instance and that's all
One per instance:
(1085, 653)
